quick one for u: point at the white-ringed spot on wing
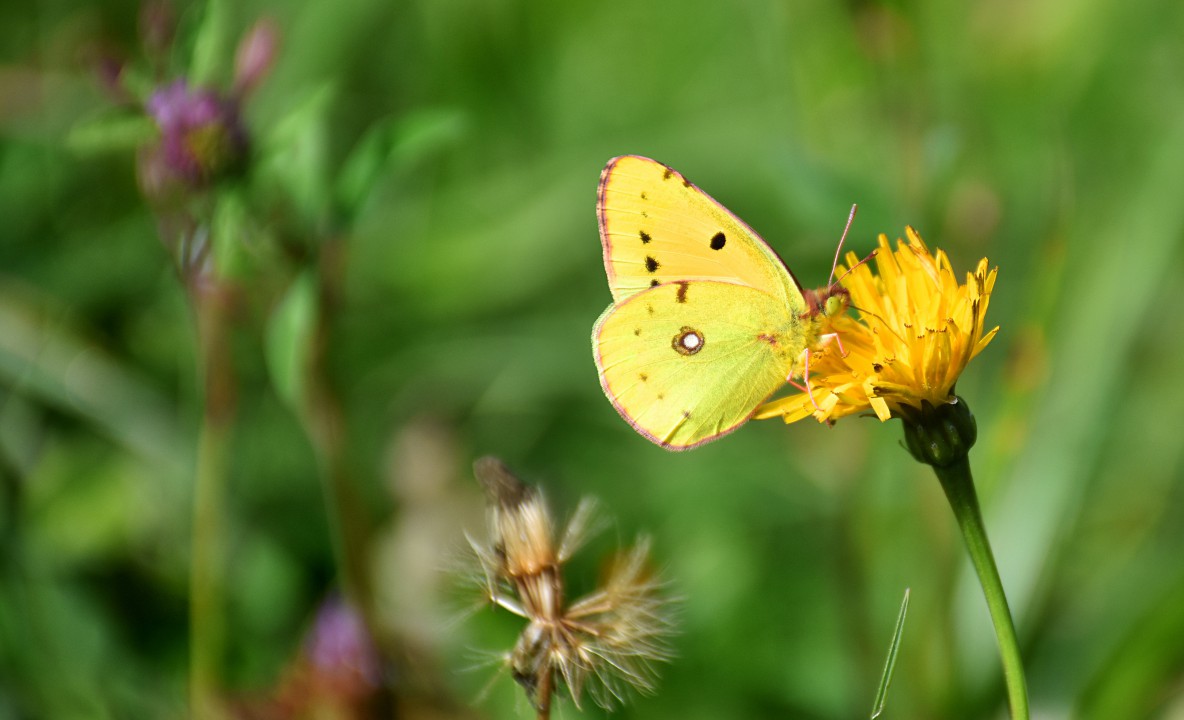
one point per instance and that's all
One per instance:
(688, 341)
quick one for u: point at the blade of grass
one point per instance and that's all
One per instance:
(890, 663)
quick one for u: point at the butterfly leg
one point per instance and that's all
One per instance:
(805, 378)
(809, 390)
(828, 337)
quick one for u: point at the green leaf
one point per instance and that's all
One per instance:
(289, 340)
(231, 227)
(212, 46)
(111, 132)
(57, 366)
(295, 156)
(390, 144)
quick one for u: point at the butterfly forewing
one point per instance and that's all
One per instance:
(689, 361)
(657, 227)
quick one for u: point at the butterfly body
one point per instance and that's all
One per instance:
(706, 321)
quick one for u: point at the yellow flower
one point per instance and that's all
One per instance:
(917, 329)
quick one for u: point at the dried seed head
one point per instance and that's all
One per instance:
(606, 642)
(518, 520)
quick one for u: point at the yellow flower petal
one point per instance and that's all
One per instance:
(917, 329)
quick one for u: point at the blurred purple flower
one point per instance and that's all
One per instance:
(339, 647)
(201, 137)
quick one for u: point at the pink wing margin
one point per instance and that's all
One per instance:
(606, 243)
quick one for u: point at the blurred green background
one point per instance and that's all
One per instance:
(418, 204)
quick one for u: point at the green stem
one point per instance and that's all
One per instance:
(206, 627)
(958, 485)
(205, 580)
(324, 421)
(347, 522)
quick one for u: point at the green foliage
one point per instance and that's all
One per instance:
(414, 230)
(288, 341)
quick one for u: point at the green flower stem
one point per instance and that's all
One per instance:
(941, 436)
(347, 521)
(208, 561)
(206, 572)
(324, 421)
(958, 485)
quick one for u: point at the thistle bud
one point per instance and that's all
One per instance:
(255, 54)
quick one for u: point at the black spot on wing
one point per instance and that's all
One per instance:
(668, 172)
(654, 283)
(644, 196)
(643, 377)
(717, 241)
(651, 265)
(645, 237)
(637, 332)
(682, 292)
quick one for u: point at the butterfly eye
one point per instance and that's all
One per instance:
(835, 305)
(688, 341)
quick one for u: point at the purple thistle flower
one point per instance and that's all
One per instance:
(201, 137)
(340, 647)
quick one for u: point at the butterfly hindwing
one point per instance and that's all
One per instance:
(657, 227)
(688, 361)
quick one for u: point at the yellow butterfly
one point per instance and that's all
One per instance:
(706, 322)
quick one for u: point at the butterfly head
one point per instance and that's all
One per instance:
(828, 302)
(833, 300)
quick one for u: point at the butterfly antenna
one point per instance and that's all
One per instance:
(870, 255)
(839, 249)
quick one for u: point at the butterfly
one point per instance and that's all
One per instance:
(707, 321)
